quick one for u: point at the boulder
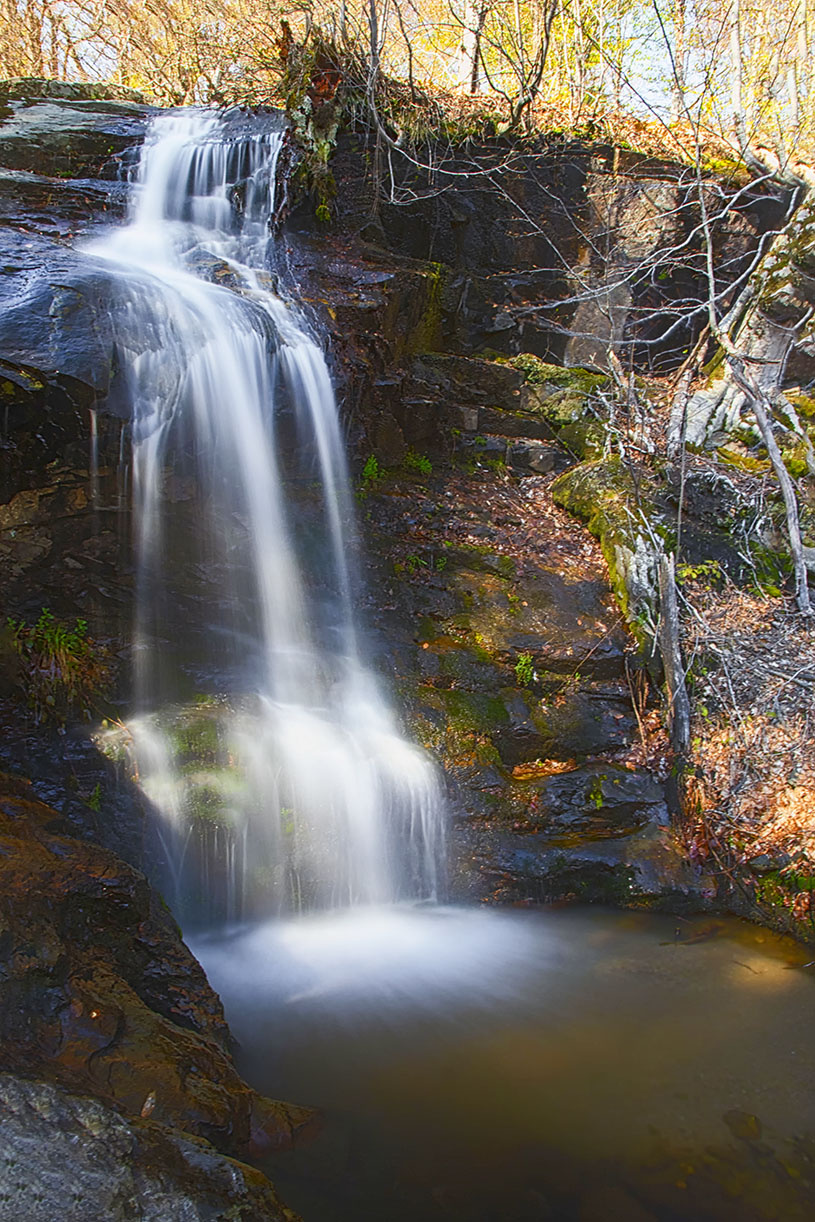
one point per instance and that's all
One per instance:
(71, 1157)
(100, 995)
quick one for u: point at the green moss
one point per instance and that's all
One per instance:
(772, 569)
(575, 379)
(469, 719)
(20, 389)
(480, 558)
(471, 663)
(734, 456)
(794, 452)
(473, 711)
(426, 334)
(195, 738)
(584, 438)
(598, 493)
(804, 405)
(209, 795)
(725, 167)
(715, 366)
(603, 495)
(777, 891)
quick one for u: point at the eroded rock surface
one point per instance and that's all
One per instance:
(74, 1158)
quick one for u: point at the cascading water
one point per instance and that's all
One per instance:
(288, 778)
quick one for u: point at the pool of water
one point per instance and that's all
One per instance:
(475, 1064)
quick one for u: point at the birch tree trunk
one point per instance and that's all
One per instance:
(468, 72)
(774, 311)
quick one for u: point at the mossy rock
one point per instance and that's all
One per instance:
(734, 454)
(795, 453)
(573, 379)
(772, 569)
(586, 439)
(602, 494)
(462, 732)
(559, 408)
(209, 796)
(804, 405)
(27, 88)
(599, 494)
(472, 712)
(562, 396)
(777, 896)
(462, 664)
(480, 558)
(425, 336)
(194, 736)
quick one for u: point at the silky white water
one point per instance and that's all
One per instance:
(278, 766)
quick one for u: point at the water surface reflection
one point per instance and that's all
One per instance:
(477, 1064)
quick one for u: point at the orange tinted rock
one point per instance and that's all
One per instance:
(100, 995)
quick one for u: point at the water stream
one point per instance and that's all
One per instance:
(260, 735)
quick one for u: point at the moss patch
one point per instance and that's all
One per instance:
(572, 378)
(603, 495)
(469, 719)
(426, 334)
(736, 455)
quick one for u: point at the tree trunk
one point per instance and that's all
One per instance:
(678, 84)
(469, 54)
(678, 702)
(774, 311)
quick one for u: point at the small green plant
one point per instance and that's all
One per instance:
(418, 462)
(61, 670)
(413, 563)
(525, 669)
(707, 571)
(595, 793)
(371, 475)
(94, 798)
(441, 564)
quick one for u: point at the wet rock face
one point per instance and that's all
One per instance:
(598, 832)
(63, 159)
(67, 132)
(100, 995)
(493, 610)
(70, 1157)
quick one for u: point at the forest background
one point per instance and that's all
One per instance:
(737, 73)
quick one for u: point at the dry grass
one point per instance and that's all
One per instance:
(752, 798)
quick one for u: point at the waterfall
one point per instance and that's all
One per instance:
(278, 767)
